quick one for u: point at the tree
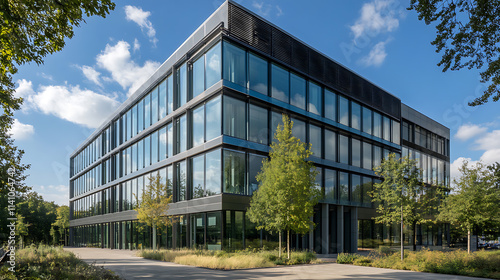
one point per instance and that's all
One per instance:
(286, 195)
(31, 30)
(21, 229)
(469, 34)
(473, 202)
(154, 204)
(61, 225)
(39, 215)
(401, 197)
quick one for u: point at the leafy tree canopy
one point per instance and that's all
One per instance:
(469, 34)
(155, 202)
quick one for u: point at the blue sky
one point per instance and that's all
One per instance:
(68, 96)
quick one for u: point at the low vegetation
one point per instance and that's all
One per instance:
(478, 264)
(228, 260)
(48, 262)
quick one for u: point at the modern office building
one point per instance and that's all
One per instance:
(204, 121)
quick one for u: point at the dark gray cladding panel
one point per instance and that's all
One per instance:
(260, 34)
(422, 120)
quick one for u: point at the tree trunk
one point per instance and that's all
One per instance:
(288, 243)
(279, 246)
(402, 243)
(154, 237)
(414, 236)
(468, 241)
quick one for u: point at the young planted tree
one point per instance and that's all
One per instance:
(154, 204)
(401, 196)
(287, 193)
(61, 225)
(474, 200)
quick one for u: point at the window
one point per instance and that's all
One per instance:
(377, 155)
(330, 105)
(387, 128)
(367, 188)
(297, 91)
(170, 140)
(170, 94)
(355, 152)
(213, 117)
(315, 140)
(234, 172)
(234, 64)
(356, 189)
(396, 132)
(355, 116)
(330, 145)
(213, 66)
(254, 167)
(154, 106)
(134, 157)
(257, 74)
(315, 100)
(140, 116)
(299, 129)
(234, 117)
(377, 125)
(257, 131)
(134, 120)
(276, 119)
(213, 172)
(367, 120)
(140, 154)
(154, 147)
(147, 151)
(367, 156)
(198, 176)
(198, 125)
(162, 143)
(129, 131)
(181, 180)
(198, 79)
(343, 111)
(182, 85)
(343, 149)
(343, 187)
(280, 83)
(147, 111)
(181, 134)
(162, 99)
(330, 183)
(170, 180)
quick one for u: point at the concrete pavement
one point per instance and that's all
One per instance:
(128, 266)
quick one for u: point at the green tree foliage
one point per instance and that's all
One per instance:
(474, 200)
(39, 215)
(287, 193)
(61, 225)
(21, 229)
(469, 34)
(30, 30)
(401, 197)
(154, 204)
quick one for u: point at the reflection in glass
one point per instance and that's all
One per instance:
(297, 91)
(198, 73)
(198, 125)
(147, 151)
(330, 183)
(170, 94)
(330, 105)
(257, 131)
(367, 120)
(280, 83)
(377, 125)
(257, 74)
(163, 143)
(314, 105)
(255, 165)
(213, 173)
(343, 187)
(234, 64)
(162, 99)
(198, 176)
(213, 67)
(377, 155)
(213, 116)
(181, 180)
(356, 189)
(276, 119)
(154, 147)
(315, 140)
(182, 85)
(367, 156)
(234, 172)
(330, 145)
(355, 152)
(154, 105)
(355, 116)
(367, 188)
(147, 111)
(181, 134)
(343, 111)
(140, 116)
(387, 128)
(299, 129)
(343, 149)
(234, 117)
(396, 130)
(170, 180)
(170, 140)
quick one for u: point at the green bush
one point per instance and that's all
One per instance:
(346, 258)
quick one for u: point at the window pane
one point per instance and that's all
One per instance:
(234, 172)
(330, 145)
(299, 129)
(140, 116)
(129, 131)
(315, 140)
(234, 64)
(258, 125)
(343, 149)
(356, 189)
(170, 177)
(198, 76)
(213, 114)
(330, 105)
(154, 147)
(257, 74)
(140, 154)
(162, 93)
(367, 120)
(134, 157)
(276, 119)
(170, 94)
(213, 67)
(134, 120)
(234, 117)
(343, 187)
(330, 183)
(147, 111)
(170, 140)
(147, 151)
(367, 156)
(356, 152)
(297, 91)
(198, 176)
(181, 134)
(377, 155)
(355, 116)
(343, 111)
(163, 143)
(213, 174)
(367, 188)
(387, 128)
(181, 181)
(198, 126)
(377, 125)
(396, 136)
(154, 106)
(315, 100)
(255, 165)
(182, 85)
(280, 83)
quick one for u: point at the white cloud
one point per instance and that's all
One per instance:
(117, 60)
(489, 141)
(491, 156)
(24, 89)
(91, 74)
(59, 194)
(376, 56)
(137, 46)
(21, 131)
(73, 104)
(140, 17)
(280, 11)
(467, 131)
(265, 9)
(376, 17)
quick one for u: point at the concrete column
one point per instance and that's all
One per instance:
(325, 238)
(340, 229)
(354, 229)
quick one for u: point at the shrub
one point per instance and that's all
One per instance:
(346, 258)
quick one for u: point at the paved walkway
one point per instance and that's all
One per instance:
(128, 266)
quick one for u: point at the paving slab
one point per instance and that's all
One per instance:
(126, 264)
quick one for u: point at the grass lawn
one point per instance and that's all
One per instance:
(478, 264)
(228, 260)
(48, 262)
